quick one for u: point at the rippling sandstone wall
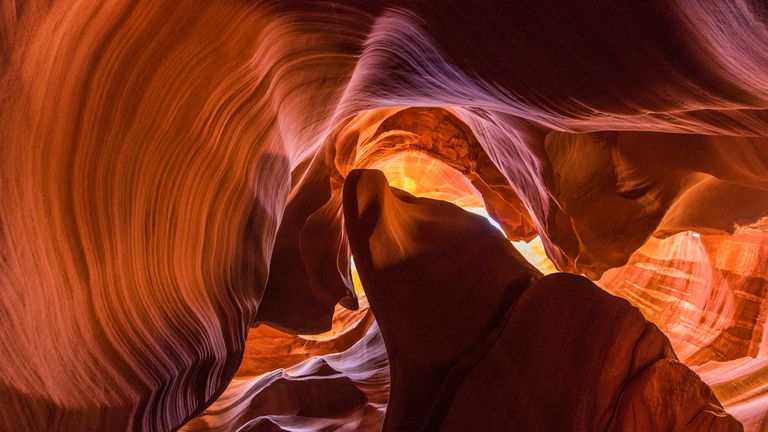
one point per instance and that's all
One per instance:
(172, 172)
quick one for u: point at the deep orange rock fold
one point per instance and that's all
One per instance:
(184, 184)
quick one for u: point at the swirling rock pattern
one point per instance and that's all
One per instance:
(344, 391)
(172, 171)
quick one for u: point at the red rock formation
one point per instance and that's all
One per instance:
(495, 354)
(171, 175)
(540, 373)
(403, 247)
(345, 391)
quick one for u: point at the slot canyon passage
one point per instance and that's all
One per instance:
(238, 215)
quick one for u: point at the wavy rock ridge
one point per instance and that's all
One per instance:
(173, 174)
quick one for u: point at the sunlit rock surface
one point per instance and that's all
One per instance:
(327, 391)
(520, 354)
(403, 247)
(172, 179)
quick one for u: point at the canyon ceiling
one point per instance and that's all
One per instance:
(238, 215)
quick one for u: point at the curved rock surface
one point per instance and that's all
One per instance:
(539, 373)
(172, 170)
(346, 391)
(432, 305)
(500, 350)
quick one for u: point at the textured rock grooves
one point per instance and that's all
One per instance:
(176, 233)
